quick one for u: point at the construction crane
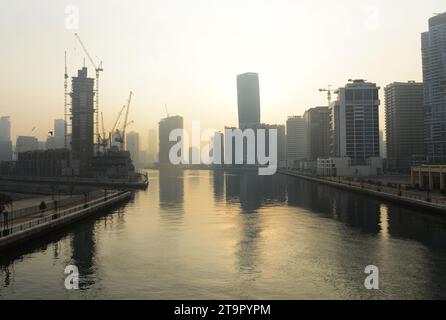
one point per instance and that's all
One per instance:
(329, 93)
(117, 119)
(104, 140)
(98, 69)
(125, 120)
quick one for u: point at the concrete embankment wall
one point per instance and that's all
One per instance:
(76, 181)
(40, 229)
(372, 193)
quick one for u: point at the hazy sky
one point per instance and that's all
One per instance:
(187, 53)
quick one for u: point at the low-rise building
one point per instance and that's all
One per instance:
(430, 177)
(343, 167)
(45, 163)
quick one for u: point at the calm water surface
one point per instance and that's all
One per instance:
(210, 235)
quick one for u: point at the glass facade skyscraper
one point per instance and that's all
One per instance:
(354, 121)
(433, 46)
(248, 99)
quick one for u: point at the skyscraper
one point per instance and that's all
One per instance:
(166, 126)
(281, 142)
(82, 98)
(433, 46)
(5, 129)
(248, 99)
(404, 123)
(354, 122)
(296, 140)
(5, 139)
(318, 121)
(132, 144)
(57, 140)
(152, 146)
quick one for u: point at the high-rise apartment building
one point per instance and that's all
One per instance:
(152, 147)
(433, 46)
(354, 122)
(5, 139)
(318, 122)
(133, 146)
(281, 143)
(404, 123)
(82, 104)
(296, 140)
(57, 140)
(166, 126)
(248, 99)
(5, 129)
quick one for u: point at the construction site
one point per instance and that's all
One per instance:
(90, 154)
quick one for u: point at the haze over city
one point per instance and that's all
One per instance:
(254, 152)
(186, 54)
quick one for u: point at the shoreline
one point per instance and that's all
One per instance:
(402, 200)
(39, 227)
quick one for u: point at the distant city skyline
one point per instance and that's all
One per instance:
(167, 54)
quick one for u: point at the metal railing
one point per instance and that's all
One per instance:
(427, 197)
(61, 215)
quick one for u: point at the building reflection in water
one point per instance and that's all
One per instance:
(171, 187)
(252, 192)
(83, 253)
(429, 229)
(171, 194)
(354, 210)
(218, 183)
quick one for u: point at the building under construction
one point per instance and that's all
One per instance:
(82, 121)
(93, 160)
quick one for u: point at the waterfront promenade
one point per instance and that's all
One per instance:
(421, 199)
(38, 222)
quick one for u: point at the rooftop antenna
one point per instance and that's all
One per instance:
(165, 107)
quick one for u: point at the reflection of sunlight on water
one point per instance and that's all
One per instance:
(384, 221)
(213, 235)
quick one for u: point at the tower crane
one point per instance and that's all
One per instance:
(104, 140)
(329, 93)
(98, 69)
(116, 124)
(125, 120)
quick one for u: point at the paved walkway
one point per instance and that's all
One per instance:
(36, 201)
(434, 197)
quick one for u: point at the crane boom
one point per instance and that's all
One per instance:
(87, 53)
(125, 119)
(98, 69)
(117, 119)
(329, 93)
